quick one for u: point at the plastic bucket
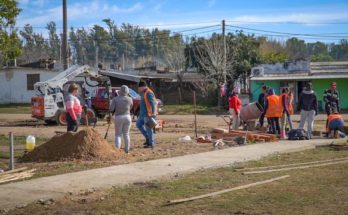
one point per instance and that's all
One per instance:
(251, 111)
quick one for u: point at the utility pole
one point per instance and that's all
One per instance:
(225, 54)
(65, 36)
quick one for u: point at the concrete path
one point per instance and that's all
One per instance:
(25, 192)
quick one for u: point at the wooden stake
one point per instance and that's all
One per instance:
(289, 165)
(195, 111)
(227, 190)
(14, 171)
(291, 168)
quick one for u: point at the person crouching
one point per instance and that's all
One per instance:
(335, 125)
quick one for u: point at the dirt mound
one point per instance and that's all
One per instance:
(87, 145)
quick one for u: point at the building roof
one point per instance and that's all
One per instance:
(128, 77)
(318, 70)
(136, 76)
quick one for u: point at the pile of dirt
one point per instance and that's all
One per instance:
(85, 145)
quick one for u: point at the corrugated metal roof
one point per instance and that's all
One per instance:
(298, 77)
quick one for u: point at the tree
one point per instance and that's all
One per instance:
(9, 41)
(35, 47)
(54, 41)
(296, 49)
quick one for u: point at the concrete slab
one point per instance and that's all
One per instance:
(56, 186)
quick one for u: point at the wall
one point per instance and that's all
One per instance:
(13, 84)
(285, 68)
(320, 85)
(256, 86)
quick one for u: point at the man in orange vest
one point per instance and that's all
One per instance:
(147, 113)
(335, 125)
(273, 110)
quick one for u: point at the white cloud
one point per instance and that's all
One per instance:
(306, 18)
(211, 3)
(92, 9)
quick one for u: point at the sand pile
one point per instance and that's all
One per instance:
(85, 145)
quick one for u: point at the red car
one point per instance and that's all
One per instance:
(100, 103)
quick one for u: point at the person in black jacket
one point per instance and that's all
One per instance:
(308, 106)
(261, 101)
(332, 99)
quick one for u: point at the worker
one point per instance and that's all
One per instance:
(120, 107)
(147, 114)
(287, 111)
(308, 106)
(261, 101)
(332, 99)
(335, 127)
(235, 105)
(73, 108)
(273, 110)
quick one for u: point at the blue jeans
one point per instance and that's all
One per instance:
(146, 131)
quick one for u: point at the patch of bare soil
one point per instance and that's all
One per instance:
(86, 145)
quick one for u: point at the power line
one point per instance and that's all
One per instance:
(288, 22)
(285, 33)
(288, 36)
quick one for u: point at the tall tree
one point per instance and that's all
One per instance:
(9, 41)
(54, 41)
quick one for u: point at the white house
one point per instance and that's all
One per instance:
(17, 84)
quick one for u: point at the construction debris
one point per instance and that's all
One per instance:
(227, 190)
(251, 136)
(86, 145)
(17, 174)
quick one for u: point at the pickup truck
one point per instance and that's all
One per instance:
(100, 103)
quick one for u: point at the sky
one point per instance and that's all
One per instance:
(323, 20)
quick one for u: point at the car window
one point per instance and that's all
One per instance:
(133, 94)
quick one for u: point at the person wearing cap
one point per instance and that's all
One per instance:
(273, 110)
(332, 99)
(235, 105)
(120, 107)
(73, 108)
(147, 113)
(308, 105)
(335, 125)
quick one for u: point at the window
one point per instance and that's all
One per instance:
(31, 80)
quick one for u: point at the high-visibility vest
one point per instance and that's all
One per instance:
(275, 108)
(331, 118)
(288, 102)
(148, 104)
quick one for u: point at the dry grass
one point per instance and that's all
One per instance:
(320, 190)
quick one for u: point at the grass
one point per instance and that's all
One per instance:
(320, 190)
(188, 109)
(15, 108)
(19, 146)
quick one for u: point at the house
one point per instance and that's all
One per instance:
(168, 85)
(17, 83)
(295, 75)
